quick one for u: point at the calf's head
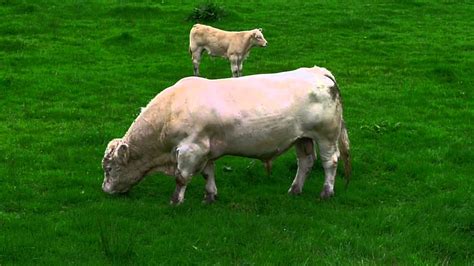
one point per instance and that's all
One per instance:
(257, 38)
(119, 175)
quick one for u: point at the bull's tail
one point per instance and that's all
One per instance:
(345, 152)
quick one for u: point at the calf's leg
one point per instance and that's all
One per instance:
(196, 57)
(241, 61)
(306, 156)
(234, 65)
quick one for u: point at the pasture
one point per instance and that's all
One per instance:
(74, 74)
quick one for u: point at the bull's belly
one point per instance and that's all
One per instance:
(262, 142)
(256, 149)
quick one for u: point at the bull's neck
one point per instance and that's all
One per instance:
(147, 153)
(140, 134)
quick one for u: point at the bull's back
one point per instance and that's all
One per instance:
(264, 92)
(254, 97)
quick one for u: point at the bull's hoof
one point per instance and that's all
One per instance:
(326, 193)
(294, 190)
(175, 201)
(209, 198)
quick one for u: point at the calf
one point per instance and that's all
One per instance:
(188, 126)
(233, 45)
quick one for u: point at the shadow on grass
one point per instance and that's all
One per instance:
(123, 39)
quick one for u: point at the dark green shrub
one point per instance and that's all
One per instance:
(207, 12)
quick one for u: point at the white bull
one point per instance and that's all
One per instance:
(188, 126)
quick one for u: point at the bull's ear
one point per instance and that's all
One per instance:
(260, 29)
(123, 153)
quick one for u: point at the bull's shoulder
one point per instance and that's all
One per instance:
(185, 88)
(189, 81)
(170, 94)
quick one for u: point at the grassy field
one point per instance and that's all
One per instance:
(74, 74)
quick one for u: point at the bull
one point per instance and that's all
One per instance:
(191, 124)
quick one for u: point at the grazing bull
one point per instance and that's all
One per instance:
(188, 126)
(233, 45)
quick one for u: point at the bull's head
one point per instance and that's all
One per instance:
(119, 175)
(258, 39)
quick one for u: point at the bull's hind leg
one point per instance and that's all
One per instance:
(196, 57)
(211, 189)
(306, 156)
(329, 155)
(191, 159)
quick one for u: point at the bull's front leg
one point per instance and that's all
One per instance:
(306, 156)
(211, 189)
(191, 158)
(196, 57)
(178, 195)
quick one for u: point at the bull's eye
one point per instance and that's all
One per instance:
(108, 169)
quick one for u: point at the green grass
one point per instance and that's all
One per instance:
(74, 74)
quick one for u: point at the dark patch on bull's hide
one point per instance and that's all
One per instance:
(334, 90)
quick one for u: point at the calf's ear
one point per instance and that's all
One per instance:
(260, 29)
(122, 153)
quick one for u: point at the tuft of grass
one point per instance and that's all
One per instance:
(207, 12)
(381, 127)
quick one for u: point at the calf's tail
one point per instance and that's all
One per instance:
(345, 152)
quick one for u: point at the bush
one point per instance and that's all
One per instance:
(207, 12)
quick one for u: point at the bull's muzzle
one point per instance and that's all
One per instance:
(106, 187)
(109, 189)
